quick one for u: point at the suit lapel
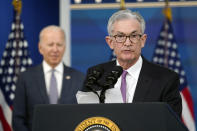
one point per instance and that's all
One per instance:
(142, 88)
(144, 82)
(41, 84)
(66, 84)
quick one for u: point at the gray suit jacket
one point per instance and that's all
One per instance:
(31, 91)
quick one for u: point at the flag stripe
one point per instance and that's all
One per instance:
(5, 125)
(186, 115)
(1, 126)
(5, 114)
(188, 100)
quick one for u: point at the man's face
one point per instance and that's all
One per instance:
(127, 40)
(52, 47)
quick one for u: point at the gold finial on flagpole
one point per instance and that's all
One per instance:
(122, 5)
(17, 6)
(167, 11)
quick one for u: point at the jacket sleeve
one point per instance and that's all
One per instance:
(19, 117)
(172, 96)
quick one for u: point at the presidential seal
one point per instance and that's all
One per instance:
(97, 124)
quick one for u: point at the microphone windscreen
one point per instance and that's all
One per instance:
(97, 71)
(93, 74)
(110, 77)
(117, 71)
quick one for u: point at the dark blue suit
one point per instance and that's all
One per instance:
(31, 91)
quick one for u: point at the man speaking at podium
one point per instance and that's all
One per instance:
(48, 83)
(140, 80)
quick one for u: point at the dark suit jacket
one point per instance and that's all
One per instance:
(31, 90)
(155, 84)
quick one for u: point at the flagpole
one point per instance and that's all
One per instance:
(17, 10)
(122, 5)
(168, 17)
(17, 6)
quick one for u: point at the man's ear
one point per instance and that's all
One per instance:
(143, 40)
(109, 42)
(40, 48)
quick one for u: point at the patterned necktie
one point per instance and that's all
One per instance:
(124, 85)
(53, 94)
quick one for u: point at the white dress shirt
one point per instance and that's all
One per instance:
(59, 69)
(114, 95)
(131, 80)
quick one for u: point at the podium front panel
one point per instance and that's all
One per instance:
(128, 117)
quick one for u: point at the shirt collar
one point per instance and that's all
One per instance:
(134, 70)
(47, 68)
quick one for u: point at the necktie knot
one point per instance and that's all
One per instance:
(124, 74)
(52, 71)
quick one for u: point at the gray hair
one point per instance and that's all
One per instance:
(125, 14)
(51, 27)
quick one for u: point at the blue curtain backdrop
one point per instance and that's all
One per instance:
(88, 31)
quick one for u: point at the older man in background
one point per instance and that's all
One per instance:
(48, 83)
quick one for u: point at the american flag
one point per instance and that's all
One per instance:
(14, 60)
(166, 54)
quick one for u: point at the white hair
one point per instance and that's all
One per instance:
(125, 14)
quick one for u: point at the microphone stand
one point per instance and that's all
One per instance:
(102, 95)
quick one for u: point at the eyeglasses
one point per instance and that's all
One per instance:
(122, 38)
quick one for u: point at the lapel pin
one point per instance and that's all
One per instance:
(68, 77)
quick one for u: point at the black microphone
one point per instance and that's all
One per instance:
(112, 76)
(110, 79)
(93, 75)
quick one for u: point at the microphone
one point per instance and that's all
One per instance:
(112, 76)
(110, 79)
(92, 77)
